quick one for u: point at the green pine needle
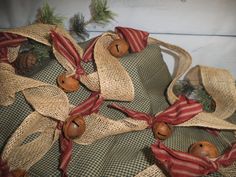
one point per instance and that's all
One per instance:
(100, 12)
(47, 15)
(77, 24)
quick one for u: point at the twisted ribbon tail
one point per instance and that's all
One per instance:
(65, 47)
(88, 54)
(137, 39)
(66, 154)
(181, 111)
(8, 40)
(180, 164)
(89, 106)
(228, 158)
(4, 168)
(134, 114)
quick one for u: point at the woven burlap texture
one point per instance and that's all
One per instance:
(219, 83)
(111, 79)
(51, 104)
(108, 68)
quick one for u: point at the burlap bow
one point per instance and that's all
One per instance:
(113, 84)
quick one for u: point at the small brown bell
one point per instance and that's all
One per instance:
(18, 173)
(118, 48)
(74, 127)
(204, 149)
(67, 83)
(162, 130)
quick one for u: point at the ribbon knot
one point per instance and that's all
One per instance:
(66, 48)
(137, 39)
(181, 111)
(89, 106)
(182, 164)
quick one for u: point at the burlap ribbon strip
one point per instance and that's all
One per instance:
(219, 83)
(45, 98)
(51, 104)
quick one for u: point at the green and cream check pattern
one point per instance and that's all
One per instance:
(120, 155)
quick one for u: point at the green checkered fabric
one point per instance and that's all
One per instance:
(121, 155)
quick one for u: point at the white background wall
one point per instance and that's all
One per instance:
(205, 28)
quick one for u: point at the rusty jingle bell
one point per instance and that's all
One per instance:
(18, 173)
(162, 130)
(118, 48)
(74, 127)
(67, 83)
(204, 149)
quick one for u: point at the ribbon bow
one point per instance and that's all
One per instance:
(181, 164)
(89, 106)
(137, 40)
(65, 47)
(181, 111)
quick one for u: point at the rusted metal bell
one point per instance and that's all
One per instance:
(25, 62)
(74, 127)
(204, 149)
(18, 173)
(162, 130)
(67, 83)
(118, 48)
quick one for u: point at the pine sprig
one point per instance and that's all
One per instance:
(198, 93)
(77, 24)
(47, 15)
(100, 12)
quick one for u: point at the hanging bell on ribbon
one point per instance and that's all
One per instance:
(67, 83)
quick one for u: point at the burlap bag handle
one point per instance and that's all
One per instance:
(214, 81)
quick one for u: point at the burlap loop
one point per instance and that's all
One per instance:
(111, 79)
(115, 83)
(214, 80)
(47, 99)
(98, 127)
(182, 64)
(21, 154)
(219, 83)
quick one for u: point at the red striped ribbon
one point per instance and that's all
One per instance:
(8, 40)
(66, 154)
(88, 54)
(4, 168)
(89, 106)
(181, 111)
(181, 164)
(65, 47)
(137, 39)
(228, 158)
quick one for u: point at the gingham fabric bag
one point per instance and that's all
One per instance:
(125, 154)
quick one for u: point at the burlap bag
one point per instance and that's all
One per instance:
(51, 104)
